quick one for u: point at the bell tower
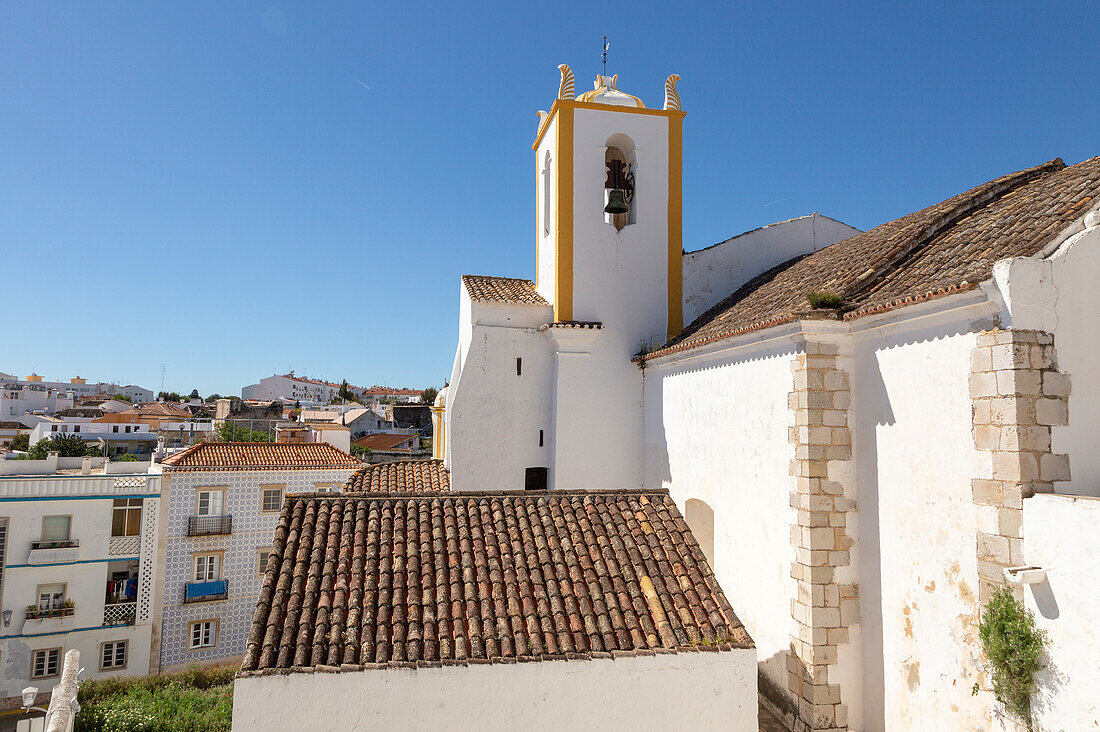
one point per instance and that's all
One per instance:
(609, 245)
(609, 232)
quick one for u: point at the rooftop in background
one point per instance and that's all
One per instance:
(484, 288)
(411, 476)
(491, 577)
(383, 440)
(945, 248)
(260, 456)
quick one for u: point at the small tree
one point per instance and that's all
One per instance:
(428, 395)
(122, 398)
(21, 442)
(64, 445)
(345, 392)
(214, 397)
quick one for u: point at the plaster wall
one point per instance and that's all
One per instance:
(544, 218)
(494, 414)
(916, 526)
(1060, 536)
(716, 431)
(696, 691)
(716, 272)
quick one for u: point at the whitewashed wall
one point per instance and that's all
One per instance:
(686, 691)
(714, 273)
(494, 415)
(716, 431)
(1060, 535)
(916, 538)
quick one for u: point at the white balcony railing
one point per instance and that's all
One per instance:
(124, 546)
(119, 613)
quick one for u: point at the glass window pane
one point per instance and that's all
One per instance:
(133, 522)
(55, 528)
(118, 522)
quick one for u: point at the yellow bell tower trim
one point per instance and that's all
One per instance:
(563, 216)
(675, 224)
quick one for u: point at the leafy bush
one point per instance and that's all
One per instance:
(229, 432)
(824, 299)
(1013, 646)
(125, 458)
(66, 445)
(20, 442)
(189, 701)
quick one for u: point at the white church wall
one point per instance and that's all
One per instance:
(712, 274)
(716, 431)
(546, 203)
(698, 691)
(494, 414)
(1060, 536)
(916, 525)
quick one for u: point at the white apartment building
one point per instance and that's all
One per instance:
(296, 388)
(76, 571)
(112, 438)
(78, 386)
(27, 406)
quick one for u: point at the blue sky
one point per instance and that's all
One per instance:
(231, 189)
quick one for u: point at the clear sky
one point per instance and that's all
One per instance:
(231, 189)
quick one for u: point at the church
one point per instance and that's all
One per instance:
(868, 433)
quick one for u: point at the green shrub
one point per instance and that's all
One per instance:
(824, 299)
(1012, 645)
(189, 701)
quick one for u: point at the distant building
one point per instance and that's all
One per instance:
(387, 442)
(309, 392)
(78, 386)
(113, 439)
(77, 556)
(9, 430)
(359, 420)
(221, 504)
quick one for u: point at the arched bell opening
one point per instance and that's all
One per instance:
(618, 196)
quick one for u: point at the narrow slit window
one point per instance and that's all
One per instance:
(540, 438)
(519, 367)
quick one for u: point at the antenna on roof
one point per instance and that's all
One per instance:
(606, 46)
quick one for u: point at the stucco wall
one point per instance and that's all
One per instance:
(916, 537)
(689, 691)
(714, 273)
(1060, 535)
(716, 431)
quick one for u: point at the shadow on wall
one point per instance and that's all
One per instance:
(778, 701)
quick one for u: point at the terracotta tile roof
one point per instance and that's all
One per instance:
(407, 476)
(483, 288)
(382, 441)
(484, 577)
(944, 248)
(325, 426)
(260, 456)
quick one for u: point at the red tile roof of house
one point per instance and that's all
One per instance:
(946, 248)
(219, 456)
(405, 476)
(455, 578)
(483, 288)
(383, 441)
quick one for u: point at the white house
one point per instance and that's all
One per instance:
(886, 422)
(114, 438)
(77, 570)
(77, 386)
(221, 503)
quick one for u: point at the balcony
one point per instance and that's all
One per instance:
(124, 546)
(58, 619)
(53, 552)
(119, 613)
(206, 525)
(205, 591)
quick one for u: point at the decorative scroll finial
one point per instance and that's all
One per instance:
(565, 91)
(542, 117)
(672, 98)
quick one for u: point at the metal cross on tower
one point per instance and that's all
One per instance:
(606, 46)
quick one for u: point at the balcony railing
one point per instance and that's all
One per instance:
(119, 613)
(59, 544)
(202, 525)
(205, 591)
(124, 546)
(34, 612)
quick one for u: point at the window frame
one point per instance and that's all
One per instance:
(57, 661)
(261, 564)
(214, 637)
(127, 509)
(218, 556)
(224, 490)
(69, 533)
(264, 489)
(52, 605)
(125, 645)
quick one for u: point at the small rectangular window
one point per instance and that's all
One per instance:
(115, 428)
(262, 555)
(207, 567)
(56, 528)
(45, 663)
(51, 596)
(126, 517)
(210, 503)
(204, 634)
(519, 367)
(540, 438)
(272, 500)
(76, 428)
(112, 656)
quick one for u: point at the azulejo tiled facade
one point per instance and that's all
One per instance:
(252, 531)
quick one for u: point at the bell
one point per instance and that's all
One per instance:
(616, 202)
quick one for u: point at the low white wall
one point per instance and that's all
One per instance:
(686, 691)
(712, 274)
(1060, 535)
(716, 431)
